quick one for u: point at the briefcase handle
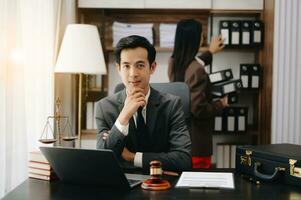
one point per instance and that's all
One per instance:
(267, 177)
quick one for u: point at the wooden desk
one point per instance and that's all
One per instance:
(33, 189)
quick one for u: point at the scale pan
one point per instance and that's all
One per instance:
(69, 138)
(47, 141)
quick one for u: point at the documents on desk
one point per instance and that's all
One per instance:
(206, 180)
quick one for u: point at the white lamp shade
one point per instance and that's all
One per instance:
(81, 51)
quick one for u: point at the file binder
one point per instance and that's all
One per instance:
(218, 123)
(224, 88)
(257, 34)
(220, 76)
(244, 75)
(255, 76)
(229, 113)
(246, 28)
(235, 40)
(241, 118)
(225, 32)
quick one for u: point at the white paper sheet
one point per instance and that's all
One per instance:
(206, 179)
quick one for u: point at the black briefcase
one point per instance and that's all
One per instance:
(273, 162)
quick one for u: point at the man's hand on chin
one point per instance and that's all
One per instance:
(127, 155)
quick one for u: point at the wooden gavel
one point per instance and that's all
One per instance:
(156, 171)
(155, 182)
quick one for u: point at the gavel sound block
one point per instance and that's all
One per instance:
(155, 182)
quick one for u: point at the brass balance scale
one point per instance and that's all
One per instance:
(59, 120)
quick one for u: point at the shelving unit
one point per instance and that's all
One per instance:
(103, 17)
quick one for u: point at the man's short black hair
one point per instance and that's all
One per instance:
(132, 42)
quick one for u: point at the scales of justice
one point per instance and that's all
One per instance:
(60, 124)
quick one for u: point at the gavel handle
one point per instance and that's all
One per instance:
(170, 173)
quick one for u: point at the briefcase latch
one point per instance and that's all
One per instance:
(246, 159)
(294, 171)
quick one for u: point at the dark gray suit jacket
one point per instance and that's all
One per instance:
(168, 136)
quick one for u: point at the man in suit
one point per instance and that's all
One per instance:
(139, 123)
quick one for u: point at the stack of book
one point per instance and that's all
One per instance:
(39, 167)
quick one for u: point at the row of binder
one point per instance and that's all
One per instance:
(232, 120)
(224, 85)
(250, 75)
(242, 33)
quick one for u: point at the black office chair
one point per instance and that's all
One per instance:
(179, 89)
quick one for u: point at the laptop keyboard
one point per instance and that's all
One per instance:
(136, 179)
(133, 182)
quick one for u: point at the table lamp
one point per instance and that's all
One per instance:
(81, 53)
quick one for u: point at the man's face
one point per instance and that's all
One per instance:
(134, 68)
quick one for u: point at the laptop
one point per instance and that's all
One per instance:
(88, 166)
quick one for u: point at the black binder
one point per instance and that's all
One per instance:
(255, 76)
(245, 75)
(224, 88)
(235, 40)
(220, 76)
(218, 123)
(241, 119)
(246, 30)
(257, 34)
(229, 119)
(225, 32)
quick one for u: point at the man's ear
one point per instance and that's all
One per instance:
(117, 67)
(153, 67)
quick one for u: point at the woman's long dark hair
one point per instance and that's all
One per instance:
(187, 43)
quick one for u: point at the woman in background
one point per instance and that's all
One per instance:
(186, 66)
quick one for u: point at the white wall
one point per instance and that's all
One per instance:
(286, 73)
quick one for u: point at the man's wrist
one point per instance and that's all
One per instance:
(123, 119)
(124, 129)
(133, 157)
